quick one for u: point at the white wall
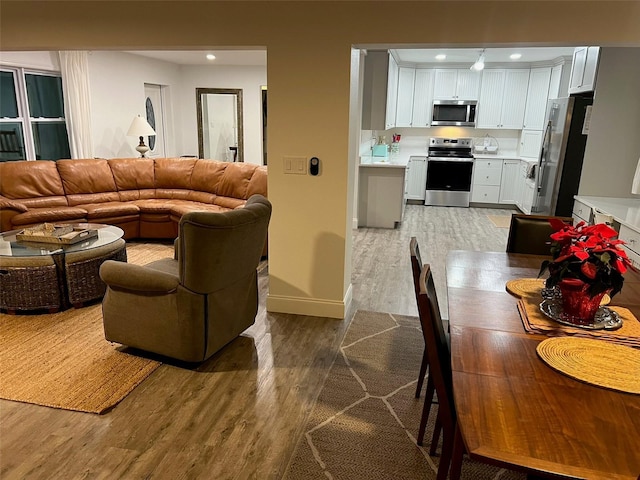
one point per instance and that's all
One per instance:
(117, 81)
(613, 144)
(248, 78)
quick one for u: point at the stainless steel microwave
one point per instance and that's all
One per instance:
(459, 113)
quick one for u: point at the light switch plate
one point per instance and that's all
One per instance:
(295, 165)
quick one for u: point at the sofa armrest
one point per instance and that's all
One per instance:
(126, 276)
(6, 204)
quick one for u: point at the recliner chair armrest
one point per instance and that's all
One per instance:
(137, 278)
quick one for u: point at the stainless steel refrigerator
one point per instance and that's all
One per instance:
(561, 156)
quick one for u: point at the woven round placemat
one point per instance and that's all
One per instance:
(523, 287)
(596, 362)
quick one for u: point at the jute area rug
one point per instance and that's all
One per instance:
(500, 221)
(365, 421)
(62, 360)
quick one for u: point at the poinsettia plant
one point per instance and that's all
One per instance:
(590, 253)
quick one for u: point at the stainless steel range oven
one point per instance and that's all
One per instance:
(449, 171)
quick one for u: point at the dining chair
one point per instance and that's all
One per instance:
(439, 357)
(530, 233)
(416, 267)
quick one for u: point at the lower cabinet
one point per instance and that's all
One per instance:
(487, 175)
(416, 178)
(381, 195)
(510, 185)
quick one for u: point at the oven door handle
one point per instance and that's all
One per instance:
(450, 159)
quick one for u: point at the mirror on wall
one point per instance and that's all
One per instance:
(219, 113)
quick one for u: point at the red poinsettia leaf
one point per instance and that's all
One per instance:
(557, 224)
(619, 265)
(589, 270)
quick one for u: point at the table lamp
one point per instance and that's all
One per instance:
(140, 128)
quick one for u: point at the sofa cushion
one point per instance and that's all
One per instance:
(38, 180)
(258, 182)
(133, 173)
(177, 210)
(110, 209)
(85, 179)
(235, 180)
(207, 175)
(174, 173)
(160, 205)
(50, 214)
(229, 202)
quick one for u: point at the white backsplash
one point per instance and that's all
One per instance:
(508, 140)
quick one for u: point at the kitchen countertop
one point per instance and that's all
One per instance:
(626, 211)
(401, 159)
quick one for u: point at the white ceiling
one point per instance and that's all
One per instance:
(492, 55)
(223, 57)
(413, 55)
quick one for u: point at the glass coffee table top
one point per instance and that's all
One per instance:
(11, 247)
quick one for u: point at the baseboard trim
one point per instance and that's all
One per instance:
(314, 307)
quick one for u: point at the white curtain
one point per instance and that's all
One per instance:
(74, 67)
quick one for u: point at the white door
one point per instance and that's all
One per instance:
(154, 108)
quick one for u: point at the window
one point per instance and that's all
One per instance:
(32, 124)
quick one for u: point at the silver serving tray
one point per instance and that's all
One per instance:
(605, 319)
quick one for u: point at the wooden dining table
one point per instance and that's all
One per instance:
(512, 408)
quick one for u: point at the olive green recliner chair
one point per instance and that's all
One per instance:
(191, 306)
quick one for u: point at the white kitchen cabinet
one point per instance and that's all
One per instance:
(392, 94)
(581, 212)
(487, 175)
(584, 69)
(632, 243)
(528, 194)
(456, 84)
(376, 90)
(422, 97)
(503, 97)
(416, 178)
(554, 82)
(537, 96)
(510, 182)
(530, 143)
(404, 110)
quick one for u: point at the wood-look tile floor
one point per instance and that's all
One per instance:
(238, 415)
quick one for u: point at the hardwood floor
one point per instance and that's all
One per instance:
(238, 415)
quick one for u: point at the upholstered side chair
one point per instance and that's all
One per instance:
(190, 306)
(530, 233)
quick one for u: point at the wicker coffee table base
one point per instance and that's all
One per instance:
(56, 282)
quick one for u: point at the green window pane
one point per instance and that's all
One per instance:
(11, 142)
(45, 96)
(51, 140)
(8, 103)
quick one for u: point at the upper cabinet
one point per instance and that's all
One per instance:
(422, 97)
(456, 84)
(404, 107)
(584, 69)
(379, 91)
(537, 95)
(392, 93)
(503, 97)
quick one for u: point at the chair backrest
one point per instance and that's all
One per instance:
(219, 249)
(437, 346)
(530, 233)
(416, 264)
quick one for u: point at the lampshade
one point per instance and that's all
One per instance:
(140, 128)
(635, 185)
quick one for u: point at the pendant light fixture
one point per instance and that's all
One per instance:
(479, 65)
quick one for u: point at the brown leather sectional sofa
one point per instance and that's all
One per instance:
(145, 197)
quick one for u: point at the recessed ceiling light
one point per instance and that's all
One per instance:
(211, 56)
(515, 56)
(441, 56)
